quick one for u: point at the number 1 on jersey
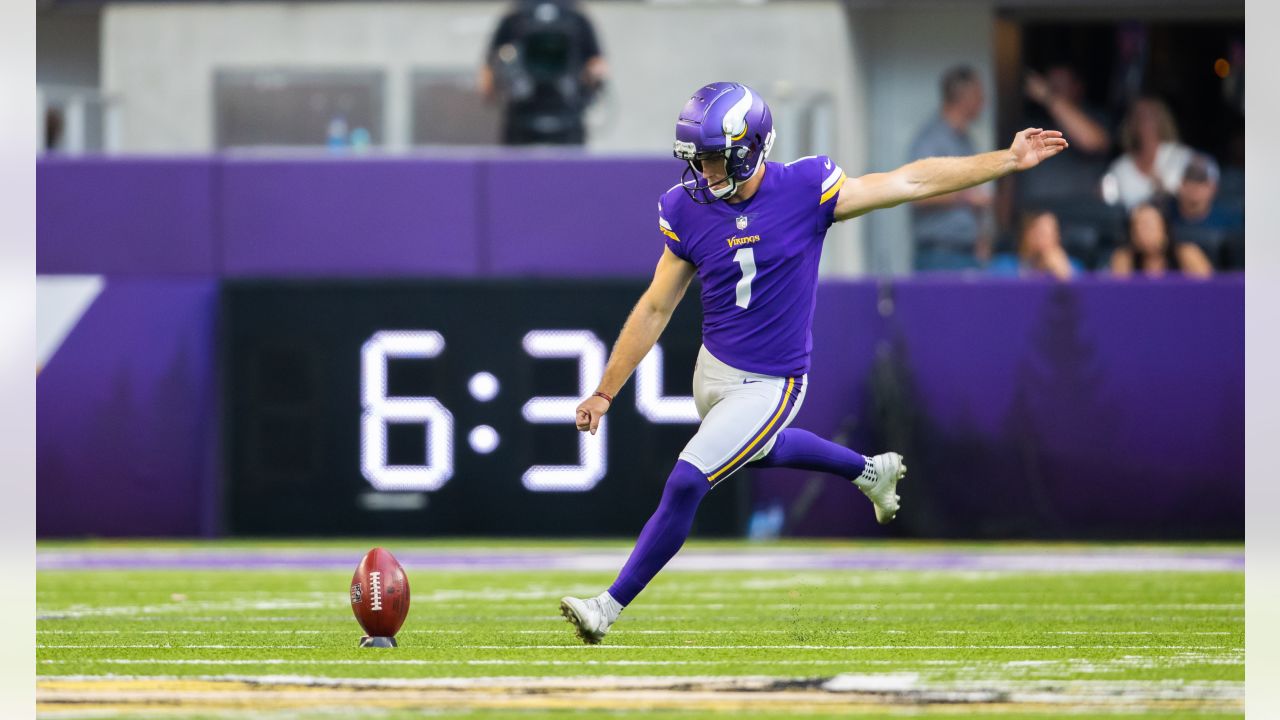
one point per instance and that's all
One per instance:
(746, 257)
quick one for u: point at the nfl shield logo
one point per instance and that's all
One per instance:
(742, 222)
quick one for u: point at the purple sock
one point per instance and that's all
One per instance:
(665, 532)
(802, 450)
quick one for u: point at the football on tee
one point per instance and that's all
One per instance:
(380, 594)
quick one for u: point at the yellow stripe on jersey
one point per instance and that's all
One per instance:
(831, 192)
(786, 395)
(668, 233)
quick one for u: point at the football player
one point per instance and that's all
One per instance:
(752, 231)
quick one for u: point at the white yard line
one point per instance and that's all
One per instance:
(512, 682)
(185, 607)
(190, 607)
(872, 682)
(598, 648)
(581, 681)
(178, 647)
(1127, 663)
(601, 648)
(1082, 632)
(203, 632)
(424, 622)
(623, 631)
(392, 661)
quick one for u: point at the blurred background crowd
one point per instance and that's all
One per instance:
(1151, 96)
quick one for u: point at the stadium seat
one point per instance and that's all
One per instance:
(1232, 253)
(1081, 241)
(1090, 227)
(1006, 242)
(1210, 240)
(1231, 190)
(1069, 179)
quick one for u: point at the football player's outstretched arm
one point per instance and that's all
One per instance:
(938, 175)
(647, 321)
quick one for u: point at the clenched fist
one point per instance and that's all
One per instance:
(590, 412)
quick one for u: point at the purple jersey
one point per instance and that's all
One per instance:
(758, 263)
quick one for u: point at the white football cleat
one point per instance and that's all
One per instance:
(879, 482)
(589, 618)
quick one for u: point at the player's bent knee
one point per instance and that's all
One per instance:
(686, 483)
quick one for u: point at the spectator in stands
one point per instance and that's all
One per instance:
(1195, 215)
(948, 229)
(1060, 92)
(1072, 191)
(1039, 250)
(545, 65)
(1150, 251)
(1153, 161)
(1194, 208)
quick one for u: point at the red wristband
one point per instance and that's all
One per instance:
(603, 395)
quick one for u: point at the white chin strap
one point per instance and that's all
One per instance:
(731, 185)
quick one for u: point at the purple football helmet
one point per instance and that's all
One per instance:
(723, 118)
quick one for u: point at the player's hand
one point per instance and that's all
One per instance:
(1034, 145)
(590, 412)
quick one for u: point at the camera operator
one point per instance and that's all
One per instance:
(544, 65)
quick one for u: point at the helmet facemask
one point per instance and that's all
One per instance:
(741, 164)
(703, 188)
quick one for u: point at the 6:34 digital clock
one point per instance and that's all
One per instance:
(583, 346)
(457, 395)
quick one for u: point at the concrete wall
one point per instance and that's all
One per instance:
(160, 57)
(905, 51)
(160, 60)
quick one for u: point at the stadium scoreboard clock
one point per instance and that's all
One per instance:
(429, 407)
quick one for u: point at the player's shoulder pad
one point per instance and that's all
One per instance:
(806, 161)
(673, 197)
(819, 171)
(828, 176)
(672, 201)
(669, 206)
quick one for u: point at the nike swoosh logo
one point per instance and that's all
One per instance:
(750, 382)
(827, 164)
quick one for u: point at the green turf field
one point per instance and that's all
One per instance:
(489, 642)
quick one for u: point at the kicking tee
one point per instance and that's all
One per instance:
(758, 263)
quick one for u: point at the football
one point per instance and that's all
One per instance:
(380, 594)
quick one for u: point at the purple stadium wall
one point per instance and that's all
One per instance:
(1119, 400)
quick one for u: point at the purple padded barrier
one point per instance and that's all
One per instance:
(351, 217)
(127, 415)
(576, 216)
(1098, 407)
(125, 216)
(506, 214)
